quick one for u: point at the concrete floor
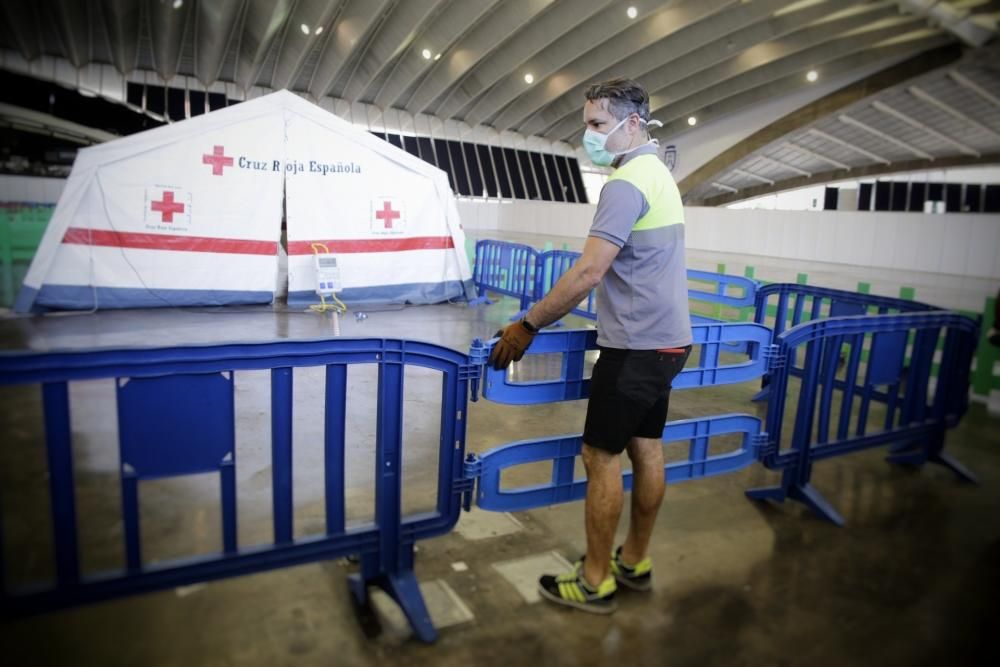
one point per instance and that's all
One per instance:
(912, 580)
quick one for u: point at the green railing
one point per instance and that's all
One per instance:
(22, 226)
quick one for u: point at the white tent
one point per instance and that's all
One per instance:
(190, 214)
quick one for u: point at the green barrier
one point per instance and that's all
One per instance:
(983, 379)
(21, 230)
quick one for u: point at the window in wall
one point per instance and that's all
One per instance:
(175, 103)
(426, 150)
(531, 190)
(830, 198)
(973, 195)
(197, 102)
(133, 93)
(475, 172)
(574, 168)
(918, 194)
(541, 180)
(953, 197)
(516, 178)
(444, 161)
(564, 173)
(380, 135)
(156, 100)
(500, 171)
(883, 195)
(216, 101)
(900, 197)
(394, 139)
(552, 174)
(865, 197)
(991, 202)
(410, 145)
(489, 171)
(459, 167)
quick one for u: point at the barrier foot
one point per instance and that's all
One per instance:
(405, 590)
(919, 457)
(805, 494)
(953, 465)
(481, 299)
(762, 395)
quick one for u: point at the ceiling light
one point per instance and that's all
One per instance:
(692, 120)
(319, 30)
(812, 75)
(632, 12)
(528, 78)
(305, 29)
(426, 53)
(437, 57)
(178, 4)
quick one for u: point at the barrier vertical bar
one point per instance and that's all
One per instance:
(333, 446)
(59, 450)
(281, 452)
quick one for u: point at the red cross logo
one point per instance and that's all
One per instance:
(387, 214)
(167, 207)
(218, 160)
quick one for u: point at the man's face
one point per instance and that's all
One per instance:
(597, 117)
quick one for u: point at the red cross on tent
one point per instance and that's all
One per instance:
(167, 207)
(387, 214)
(217, 159)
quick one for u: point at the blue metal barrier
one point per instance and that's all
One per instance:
(794, 304)
(552, 265)
(563, 450)
(176, 417)
(504, 268)
(721, 290)
(710, 339)
(916, 415)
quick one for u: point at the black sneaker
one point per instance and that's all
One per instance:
(572, 590)
(638, 577)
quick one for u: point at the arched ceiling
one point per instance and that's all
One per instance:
(467, 60)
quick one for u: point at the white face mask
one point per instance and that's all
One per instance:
(594, 143)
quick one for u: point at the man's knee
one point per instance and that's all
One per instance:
(597, 458)
(644, 450)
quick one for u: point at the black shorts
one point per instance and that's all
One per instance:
(629, 395)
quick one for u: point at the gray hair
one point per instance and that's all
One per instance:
(625, 97)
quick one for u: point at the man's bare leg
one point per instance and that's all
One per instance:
(602, 509)
(648, 486)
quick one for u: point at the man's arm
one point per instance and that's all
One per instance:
(574, 285)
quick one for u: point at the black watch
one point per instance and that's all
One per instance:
(529, 327)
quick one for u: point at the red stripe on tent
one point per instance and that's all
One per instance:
(100, 237)
(374, 245)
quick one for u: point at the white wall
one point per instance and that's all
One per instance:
(31, 189)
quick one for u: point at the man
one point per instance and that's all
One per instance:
(634, 255)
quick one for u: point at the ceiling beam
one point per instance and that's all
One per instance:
(817, 156)
(437, 39)
(561, 18)
(667, 25)
(784, 165)
(472, 48)
(824, 107)
(215, 24)
(348, 34)
(924, 96)
(716, 39)
(262, 24)
(756, 177)
(848, 145)
(847, 120)
(969, 84)
(838, 175)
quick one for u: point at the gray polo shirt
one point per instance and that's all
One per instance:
(642, 301)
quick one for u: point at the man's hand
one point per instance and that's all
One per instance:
(514, 340)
